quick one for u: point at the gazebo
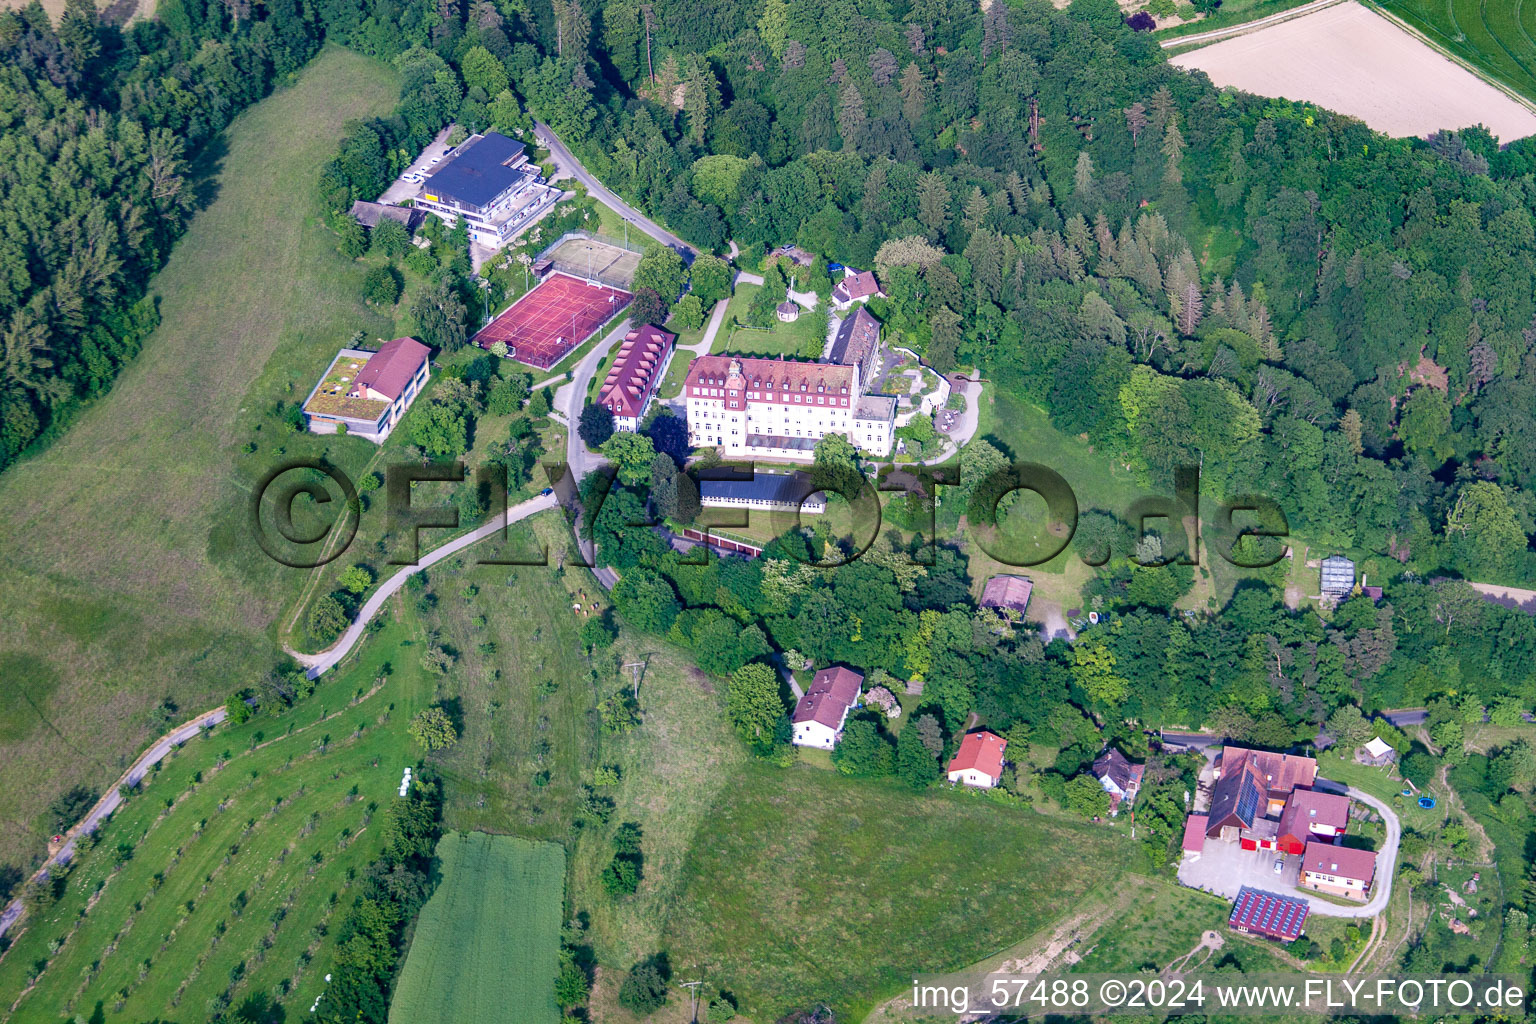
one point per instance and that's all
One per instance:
(788, 311)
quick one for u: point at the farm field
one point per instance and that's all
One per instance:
(806, 880)
(129, 573)
(486, 944)
(1350, 59)
(220, 884)
(1499, 38)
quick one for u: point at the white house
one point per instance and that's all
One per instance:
(820, 714)
(979, 761)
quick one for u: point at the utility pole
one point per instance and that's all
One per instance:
(638, 668)
(693, 999)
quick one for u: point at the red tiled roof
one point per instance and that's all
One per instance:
(634, 373)
(771, 380)
(391, 368)
(982, 751)
(1194, 833)
(1308, 807)
(856, 286)
(1342, 861)
(828, 698)
(1279, 917)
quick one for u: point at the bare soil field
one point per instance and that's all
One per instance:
(1352, 60)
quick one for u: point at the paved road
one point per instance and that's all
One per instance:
(1237, 30)
(566, 162)
(1190, 739)
(316, 664)
(572, 397)
(1403, 717)
(112, 799)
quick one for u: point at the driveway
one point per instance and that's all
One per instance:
(1224, 868)
(572, 397)
(566, 164)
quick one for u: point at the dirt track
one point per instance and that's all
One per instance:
(1352, 60)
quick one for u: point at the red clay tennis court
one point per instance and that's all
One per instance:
(553, 318)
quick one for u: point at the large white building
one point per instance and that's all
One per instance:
(779, 408)
(490, 183)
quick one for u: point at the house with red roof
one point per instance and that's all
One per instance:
(818, 717)
(637, 368)
(856, 286)
(1337, 870)
(1311, 814)
(366, 393)
(979, 761)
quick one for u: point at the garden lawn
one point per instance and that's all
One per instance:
(487, 944)
(805, 885)
(129, 573)
(243, 853)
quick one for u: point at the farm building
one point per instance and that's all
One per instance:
(1337, 577)
(1009, 595)
(1337, 870)
(1310, 814)
(1256, 912)
(366, 393)
(1252, 786)
(979, 761)
(774, 492)
(819, 716)
(1120, 778)
(638, 367)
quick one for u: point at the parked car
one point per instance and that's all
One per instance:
(1279, 865)
(546, 491)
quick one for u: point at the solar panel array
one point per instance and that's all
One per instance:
(1247, 799)
(1265, 912)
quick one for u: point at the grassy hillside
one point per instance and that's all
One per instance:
(806, 884)
(222, 882)
(486, 943)
(125, 565)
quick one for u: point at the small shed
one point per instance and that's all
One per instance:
(1337, 576)
(1194, 832)
(1009, 595)
(1377, 753)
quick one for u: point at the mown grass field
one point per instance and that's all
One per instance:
(486, 944)
(128, 571)
(244, 851)
(805, 885)
(1498, 38)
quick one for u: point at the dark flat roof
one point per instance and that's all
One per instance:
(477, 172)
(788, 487)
